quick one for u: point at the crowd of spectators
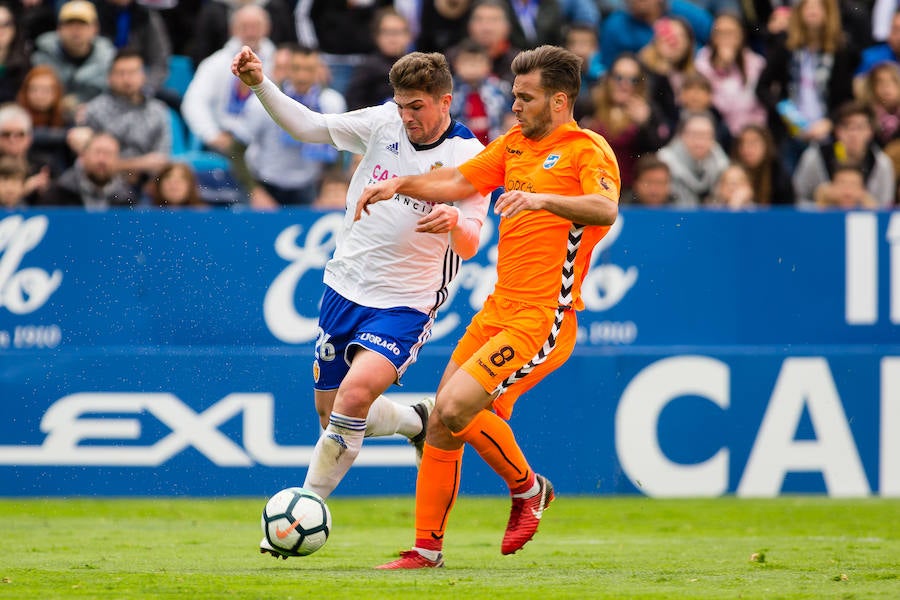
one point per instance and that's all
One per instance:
(732, 104)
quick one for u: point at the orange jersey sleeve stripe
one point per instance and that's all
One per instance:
(533, 244)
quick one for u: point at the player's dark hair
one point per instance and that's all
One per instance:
(560, 69)
(421, 72)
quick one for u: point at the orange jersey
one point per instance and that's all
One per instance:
(533, 245)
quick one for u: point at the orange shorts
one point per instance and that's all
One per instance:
(507, 335)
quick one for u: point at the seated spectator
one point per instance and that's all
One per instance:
(632, 27)
(93, 181)
(667, 60)
(78, 53)
(12, 184)
(175, 186)
(853, 145)
(846, 190)
(880, 89)
(490, 26)
(369, 85)
(808, 74)
(695, 159)
(732, 190)
(754, 149)
(212, 28)
(625, 116)
(140, 124)
(286, 172)
(481, 100)
(733, 71)
(214, 101)
(14, 53)
(15, 143)
(696, 97)
(652, 183)
(582, 40)
(130, 24)
(41, 95)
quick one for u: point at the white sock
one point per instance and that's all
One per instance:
(532, 491)
(386, 417)
(431, 555)
(337, 448)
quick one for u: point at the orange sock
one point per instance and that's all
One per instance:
(436, 488)
(493, 438)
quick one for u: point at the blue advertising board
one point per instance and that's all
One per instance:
(719, 353)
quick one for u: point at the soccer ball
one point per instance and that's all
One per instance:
(296, 521)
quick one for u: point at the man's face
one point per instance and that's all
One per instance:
(77, 37)
(250, 26)
(653, 187)
(698, 136)
(303, 71)
(15, 139)
(393, 36)
(99, 158)
(855, 132)
(424, 118)
(488, 26)
(127, 78)
(531, 105)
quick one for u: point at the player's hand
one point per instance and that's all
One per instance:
(509, 204)
(247, 66)
(441, 219)
(383, 190)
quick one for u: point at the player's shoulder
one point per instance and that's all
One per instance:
(586, 139)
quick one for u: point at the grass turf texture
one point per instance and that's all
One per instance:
(587, 547)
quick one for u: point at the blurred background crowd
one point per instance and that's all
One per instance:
(733, 104)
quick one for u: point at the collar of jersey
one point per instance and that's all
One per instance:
(436, 142)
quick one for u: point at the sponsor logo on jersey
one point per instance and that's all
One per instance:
(551, 160)
(393, 148)
(513, 151)
(517, 184)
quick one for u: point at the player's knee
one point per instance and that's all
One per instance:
(354, 402)
(453, 415)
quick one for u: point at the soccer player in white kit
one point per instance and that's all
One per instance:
(390, 272)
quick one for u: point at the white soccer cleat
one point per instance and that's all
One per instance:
(266, 548)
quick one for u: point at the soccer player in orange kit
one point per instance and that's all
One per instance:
(561, 196)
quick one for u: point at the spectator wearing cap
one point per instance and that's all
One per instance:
(80, 56)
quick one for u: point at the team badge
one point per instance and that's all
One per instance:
(316, 371)
(551, 160)
(437, 165)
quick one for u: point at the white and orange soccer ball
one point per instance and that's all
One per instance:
(296, 521)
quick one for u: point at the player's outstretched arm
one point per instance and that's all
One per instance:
(299, 121)
(441, 185)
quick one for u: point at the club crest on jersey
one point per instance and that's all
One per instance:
(551, 160)
(393, 148)
(316, 371)
(437, 165)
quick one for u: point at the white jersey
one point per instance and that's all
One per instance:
(381, 261)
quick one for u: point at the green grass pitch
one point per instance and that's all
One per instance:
(587, 547)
